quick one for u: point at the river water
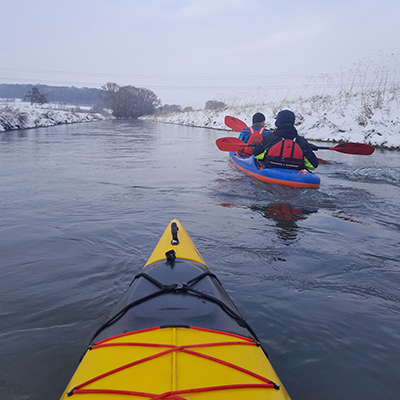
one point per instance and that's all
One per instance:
(314, 272)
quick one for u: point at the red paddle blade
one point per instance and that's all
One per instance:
(230, 144)
(321, 161)
(354, 148)
(235, 123)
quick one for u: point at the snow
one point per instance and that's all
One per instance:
(323, 118)
(319, 118)
(23, 115)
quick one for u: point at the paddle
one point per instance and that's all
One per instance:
(235, 144)
(347, 148)
(230, 144)
(235, 123)
(351, 148)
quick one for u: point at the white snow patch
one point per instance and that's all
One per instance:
(22, 115)
(326, 119)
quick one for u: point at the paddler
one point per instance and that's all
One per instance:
(284, 148)
(256, 132)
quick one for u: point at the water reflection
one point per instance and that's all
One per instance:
(285, 216)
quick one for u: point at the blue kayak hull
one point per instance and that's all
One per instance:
(279, 176)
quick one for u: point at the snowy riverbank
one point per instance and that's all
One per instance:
(21, 115)
(322, 119)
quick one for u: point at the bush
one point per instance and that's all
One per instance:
(215, 105)
(170, 108)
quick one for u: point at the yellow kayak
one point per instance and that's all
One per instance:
(175, 334)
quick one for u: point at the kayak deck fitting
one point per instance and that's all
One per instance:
(175, 334)
(279, 176)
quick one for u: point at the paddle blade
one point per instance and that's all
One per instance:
(235, 123)
(354, 148)
(321, 161)
(230, 144)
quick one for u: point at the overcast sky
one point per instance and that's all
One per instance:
(190, 51)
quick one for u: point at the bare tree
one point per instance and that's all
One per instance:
(129, 101)
(35, 96)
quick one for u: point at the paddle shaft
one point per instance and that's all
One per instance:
(347, 148)
(235, 144)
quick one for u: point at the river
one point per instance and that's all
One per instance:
(314, 272)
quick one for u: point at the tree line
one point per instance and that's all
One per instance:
(124, 101)
(54, 94)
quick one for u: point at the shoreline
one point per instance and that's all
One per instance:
(26, 116)
(380, 129)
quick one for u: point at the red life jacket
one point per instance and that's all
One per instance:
(255, 136)
(285, 154)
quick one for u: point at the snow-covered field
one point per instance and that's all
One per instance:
(319, 118)
(22, 115)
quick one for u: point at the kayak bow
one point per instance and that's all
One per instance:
(175, 334)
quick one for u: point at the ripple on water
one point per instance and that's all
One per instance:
(374, 174)
(314, 272)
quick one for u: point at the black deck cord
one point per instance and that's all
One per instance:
(163, 289)
(176, 288)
